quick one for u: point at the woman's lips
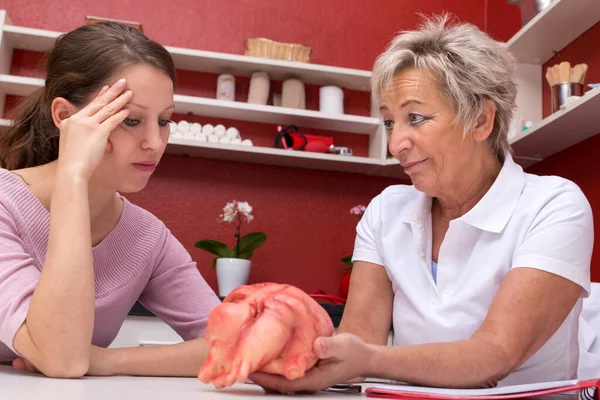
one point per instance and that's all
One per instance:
(412, 165)
(145, 166)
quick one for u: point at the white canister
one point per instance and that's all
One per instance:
(331, 100)
(226, 87)
(259, 88)
(293, 94)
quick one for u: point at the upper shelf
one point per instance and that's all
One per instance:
(553, 29)
(23, 86)
(208, 61)
(562, 129)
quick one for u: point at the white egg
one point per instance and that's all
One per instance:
(219, 130)
(196, 128)
(183, 126)
(232, 133)
(208, 129)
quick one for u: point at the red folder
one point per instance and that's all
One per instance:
(588, 391)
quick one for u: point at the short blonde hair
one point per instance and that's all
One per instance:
(471, 66)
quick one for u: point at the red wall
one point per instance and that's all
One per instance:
(305, 213)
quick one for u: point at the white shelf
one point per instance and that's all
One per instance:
(272, 156)
(207, 61)
(561, 130)
(23, 86)
(553, 29)
(278, 157)
(19, 85)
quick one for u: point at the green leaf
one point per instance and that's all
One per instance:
(252, 241)
(214, 247)
(214, 264)
(347, 261)
(246, 255)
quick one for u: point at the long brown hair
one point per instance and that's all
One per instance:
(78, 65)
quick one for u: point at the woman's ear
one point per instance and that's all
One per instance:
(485, 122)
(61, 109)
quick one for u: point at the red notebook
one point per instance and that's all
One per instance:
(587, 391)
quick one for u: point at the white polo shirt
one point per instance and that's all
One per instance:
(524, 220)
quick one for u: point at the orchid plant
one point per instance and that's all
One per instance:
(358, 211)
(235, 212)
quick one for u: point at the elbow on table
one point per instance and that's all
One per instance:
(507, 361)
(53, 358)
(64, 366)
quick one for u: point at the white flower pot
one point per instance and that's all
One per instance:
(231, 273)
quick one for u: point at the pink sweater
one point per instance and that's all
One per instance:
(139, 259)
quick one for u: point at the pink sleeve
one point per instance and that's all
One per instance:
(177, 293)
(18, 279)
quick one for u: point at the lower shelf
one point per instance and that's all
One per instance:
(280, 157)
(561, 130)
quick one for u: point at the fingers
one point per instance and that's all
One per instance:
(105, 98)
(19, 364)
(276, 383)
(23, 365)
(112, 108)
(102, 91)
(113, 121)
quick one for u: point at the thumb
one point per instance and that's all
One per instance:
(23, 365)
(329, 347)
(19, 363)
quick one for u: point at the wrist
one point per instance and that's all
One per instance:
(66, 181)
(116, 361)
(70, 175)
(373, 358)
(105, 362)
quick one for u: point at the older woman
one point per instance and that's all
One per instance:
(480, 267)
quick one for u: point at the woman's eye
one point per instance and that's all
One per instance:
(130, 122)
(388, 124)
(164, 122)
(416, 119)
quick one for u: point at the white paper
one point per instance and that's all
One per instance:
(500, 390)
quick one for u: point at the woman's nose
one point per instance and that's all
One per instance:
(153, 140)
(398, 141)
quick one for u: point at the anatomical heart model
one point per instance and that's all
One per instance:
(266, 327)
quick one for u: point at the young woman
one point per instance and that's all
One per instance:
(74, 254)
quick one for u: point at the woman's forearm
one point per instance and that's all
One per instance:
(57, 334)
(468, 363)
(181, 360)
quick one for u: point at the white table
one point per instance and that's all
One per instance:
(17, 385)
